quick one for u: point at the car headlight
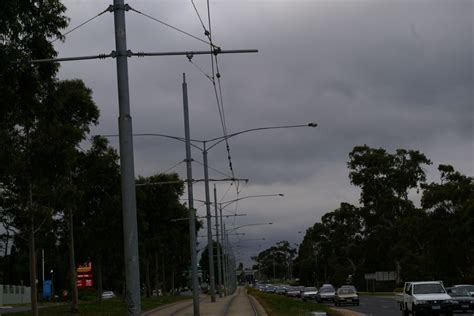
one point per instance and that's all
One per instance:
(421, 302)
(452, 302)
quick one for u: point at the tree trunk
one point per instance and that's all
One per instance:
(32, 257)
(147, 276)
(72, 266)
(173, 291)
(157, 274)
(98, 272)
(164, 275)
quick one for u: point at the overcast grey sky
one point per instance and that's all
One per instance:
(391, 74)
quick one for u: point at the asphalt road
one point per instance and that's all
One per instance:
(374, 306)
(381, 306)
(377, 305)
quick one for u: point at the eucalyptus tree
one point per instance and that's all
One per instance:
(164, 237)
(98, 221)
(385, 181)
(204, 261)
(274, 262)
(450, 225)
(25, 91)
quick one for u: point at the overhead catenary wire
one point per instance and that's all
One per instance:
(199, 17)
(217, 88)
(79, 26)
(173, 27)
(220, 172)
(219, 98)
(171, 168)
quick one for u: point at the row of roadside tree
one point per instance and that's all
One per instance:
(60, 198)
(420, 230)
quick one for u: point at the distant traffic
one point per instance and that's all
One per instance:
(422, 297)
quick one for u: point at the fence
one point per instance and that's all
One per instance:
(14, 294)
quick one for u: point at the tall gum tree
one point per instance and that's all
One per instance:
(25, 27)
(385, 180)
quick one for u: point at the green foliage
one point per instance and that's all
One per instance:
(275, 262)
(387, 232)
(163, 242)
(204, 261)
(278, 305)
(89, 294)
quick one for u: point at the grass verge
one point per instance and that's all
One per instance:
(279, 305)
(110, 307)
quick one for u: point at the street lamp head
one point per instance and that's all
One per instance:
(281, 194)
(312, 124)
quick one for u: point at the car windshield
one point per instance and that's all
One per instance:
(469, 288)
(310, 289)
(428, 288)
(345, 291)
(458, 292)
(326, 290)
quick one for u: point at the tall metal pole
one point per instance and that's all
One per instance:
(192, 211)
(219, 266)
(129, 211)
(224, 255)
(210, 251)
(42, 266)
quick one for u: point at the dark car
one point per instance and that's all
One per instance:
(468, 287)
(462, 299)
(348, 286)
(309, 293)
(346, 295)
(293, 291)
(326, 293)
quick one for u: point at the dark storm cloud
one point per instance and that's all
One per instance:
(391, 74)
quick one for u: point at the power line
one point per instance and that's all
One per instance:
(172, 27)
(219, 99)
(174, 166)
(220, 172)
(199, 16)
(80, 25)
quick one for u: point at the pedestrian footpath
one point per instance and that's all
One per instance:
(237, 304)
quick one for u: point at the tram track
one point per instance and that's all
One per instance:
(228, 309)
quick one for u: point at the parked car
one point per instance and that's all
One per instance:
(348, 286)
(293, 291)
(309, 293)
(281, 289)
(427, 297)
(326, 293)
(462, 299)
(468, 287)
(346, 295)
(107, 295)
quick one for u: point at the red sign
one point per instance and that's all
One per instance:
(84, 275)
(83, 283)
(85, 267)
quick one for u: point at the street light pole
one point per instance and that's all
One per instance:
(129, 207)
(192, 211)
(209, 228)
(204, 150)
(224, 268)
(219, 266)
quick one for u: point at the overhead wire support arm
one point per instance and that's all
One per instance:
(192, 53)
(129, 53)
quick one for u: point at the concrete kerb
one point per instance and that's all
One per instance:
(346, 312)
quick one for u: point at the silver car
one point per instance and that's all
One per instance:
(326, 293)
